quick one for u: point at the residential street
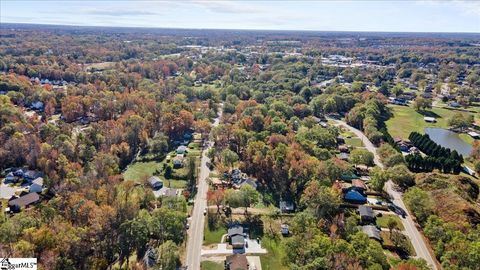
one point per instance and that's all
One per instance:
(195, 233)
(418, 242)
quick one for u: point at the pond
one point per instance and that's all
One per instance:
(449, 139)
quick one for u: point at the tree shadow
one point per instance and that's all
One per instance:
(429, 114)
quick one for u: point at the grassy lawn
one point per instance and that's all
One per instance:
(273, 259)
(386, 241)
(406, 119)
(382, 221)
(209, 265)
(174, 183)
(138, 171)
(213, 235)
(356, 142)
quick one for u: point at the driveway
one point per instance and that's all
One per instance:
(418, 242)
(223, 249)
(195, 233)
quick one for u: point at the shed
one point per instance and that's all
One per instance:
(366, 214)
(287, 206)
(429, 119)
(343, 156)
(37, 185)
(284, 229)
(354, 196)
(155, 182)
(372, 232)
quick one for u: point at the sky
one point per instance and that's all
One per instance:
(386, 16)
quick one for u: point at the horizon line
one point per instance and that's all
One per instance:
(233, 29)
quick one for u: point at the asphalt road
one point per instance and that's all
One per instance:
(195, 233)
(418, 242)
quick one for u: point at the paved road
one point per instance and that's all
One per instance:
(195, 233)
(418, 242)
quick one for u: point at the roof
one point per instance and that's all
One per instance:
(237, 262)
(235, 230)
(429, 119)
(287, 205)
(38, 181)
(355, 196)
(372, 232)
(154, 180)
(237, 240)
(365, 211)
(25, 200)
(359, 184)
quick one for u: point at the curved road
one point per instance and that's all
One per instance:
(195, 233)
(418, 242)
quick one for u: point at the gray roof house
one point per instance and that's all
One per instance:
(236, 236)
(37, 185)
(155, 182)
(24, 200)
(366, 214)
(372, 232)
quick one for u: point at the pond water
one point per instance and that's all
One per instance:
(449, 139)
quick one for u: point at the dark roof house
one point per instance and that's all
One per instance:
(236, 262)
(155, 182)
(236, 236)
(366, 214)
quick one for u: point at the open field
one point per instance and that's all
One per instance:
(140, 170)
(406, 120)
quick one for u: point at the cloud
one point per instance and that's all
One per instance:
(468, 7)
(120, 12)
(229, 6)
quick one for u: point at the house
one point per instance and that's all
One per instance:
(178, 161)
(18, 173)
(353, 196)
(169, 192)
(372, 232)
(31, 175)
(343, 156)
(362, 169)
(236, 236)
(287, 206)
(343, 149)
(340, 140)
(181, 150)
(236, 262)
(429, 119)
(454, 104)
(23, 201)
(474, 135)
(284, 229)
(359, 185)
(348, 176)
(37, 185)
(10, 178)
(366, 214)
(37, 105)
(248, 181)
(155, 182)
